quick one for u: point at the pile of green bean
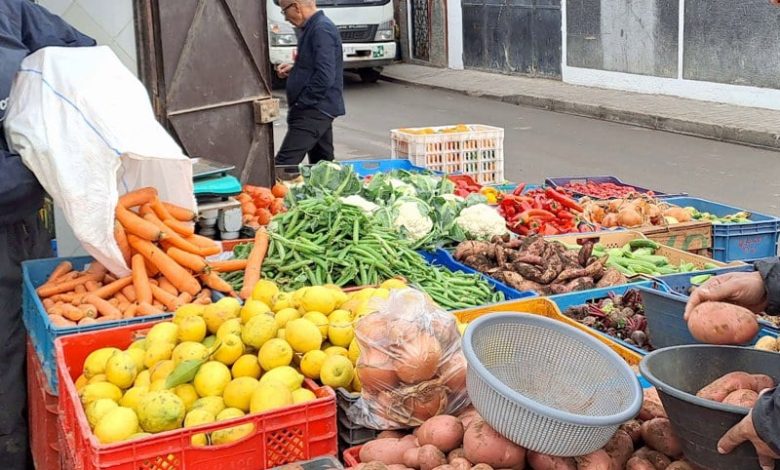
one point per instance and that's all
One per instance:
(322, 241)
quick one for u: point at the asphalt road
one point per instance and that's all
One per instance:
(541, 143)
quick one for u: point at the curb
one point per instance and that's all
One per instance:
(735, 135)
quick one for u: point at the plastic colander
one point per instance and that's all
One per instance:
(547, 386)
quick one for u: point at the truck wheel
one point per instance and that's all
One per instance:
(369, 75)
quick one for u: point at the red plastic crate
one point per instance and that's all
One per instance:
(291, 434)
(42, 414)
(352, 456)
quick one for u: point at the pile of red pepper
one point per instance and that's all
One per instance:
(602, 190)
(464, 185)
(542, 212)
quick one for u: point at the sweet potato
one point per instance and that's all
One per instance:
(733, 381)
(657, 434)
(620, 448)
(443, 431)
(426, 457)
(638, 463)
(742, 398)
(634, 429)
(458, 453)
(390, 434)
(397, 466)
(375, 465)
(722, 323)
(445, 467)
(598, 460)
(679, 465)
(651, 405)
(460, 463)
(468, 416)
(484, 445)
(481, 466)
(388, 451)
(657, 459)
(548, 462)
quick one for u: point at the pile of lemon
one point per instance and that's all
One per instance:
(246, 358)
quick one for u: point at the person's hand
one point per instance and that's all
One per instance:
(775, 2)
(283, 70)
(743, 289)
(743, 432)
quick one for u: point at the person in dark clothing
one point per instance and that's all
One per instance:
(315, 85)
(759, 292)
(24, 28)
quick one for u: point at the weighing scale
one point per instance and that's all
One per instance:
(219, 213)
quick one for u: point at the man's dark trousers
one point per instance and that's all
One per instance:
(309, 131)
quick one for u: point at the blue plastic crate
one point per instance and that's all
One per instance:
(681, 283)
(737, 242)
(573, 299)
(562, 181)
(40, 329)
(443, 258)
(365, 168)
(665, 324)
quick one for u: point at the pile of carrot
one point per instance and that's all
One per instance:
(167, 262)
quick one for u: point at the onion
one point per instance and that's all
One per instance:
(376, 371)
(678, 213)
(371, 329)
(629, 218)
(615, 205)
(453, 373)
(418, 359)
(610, 220)
(425, 406)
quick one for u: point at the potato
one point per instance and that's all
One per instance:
(651, 405)
(539, 461)
(411, 458)
(429, 457)
(679, 465)
(397, 466)
(634, 429)
(722, 323)
(484, 445)
(657, 434)
(733, 381)
(468, 417)
(388, 451)
(762, 382)
(374, 466)
(598, 460)
(460, 463)
(767, 343)
(620, 448)
(458, 453)
(445, 467)
(742, 398)
(657, 459)
(482, 466)
(390, 435)
(638, 463)
(443, 431)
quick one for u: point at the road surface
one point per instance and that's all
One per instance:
(541, 143)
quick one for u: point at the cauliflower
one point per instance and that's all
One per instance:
(366, 206)
(409, 217)
(481, 222)
(402, 188)
(452, 197)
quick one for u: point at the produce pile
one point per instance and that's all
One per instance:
(543, 212)
(259, 204)
(639, 257)
(465, 186)
(741, 217)
(634, 211)
(602, 190)
(539, 265)
(620, 316)
(737, 388)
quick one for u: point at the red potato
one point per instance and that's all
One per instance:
(638, 463)
(539, 461)
(443, 431)
(426, 457)
(722, 323)
(484, 445)
(468, 416)
(458, 453)
(742, 398)
(619, 449)
(598, 460)
(460, 463)
(388, 451)
(634, 429)
(651, 405)
(657, 434)
(657, 459)
(733, 381)
(680, 465)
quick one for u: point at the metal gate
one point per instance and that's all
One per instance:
(206, 65)
(421, 29)
(517, 36)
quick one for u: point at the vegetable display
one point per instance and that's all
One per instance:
(620, 316)
(259, 204)
(639, 257)
(634, 211)
(543, 212)
(602, 190)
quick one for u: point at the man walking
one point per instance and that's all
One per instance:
(314, 85)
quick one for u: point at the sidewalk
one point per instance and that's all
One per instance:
(729, 123)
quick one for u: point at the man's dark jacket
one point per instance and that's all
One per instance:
(766, 412)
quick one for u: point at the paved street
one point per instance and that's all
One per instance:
(539, 143)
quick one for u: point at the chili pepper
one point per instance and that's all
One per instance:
(538, 201)
(526, 206)
(564, 214)
(564, 200)
(549, 229)
(519, 189)
(522, 230)
(534, 225)
(536, 214)
(554, 206)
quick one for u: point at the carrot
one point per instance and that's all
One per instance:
(138, 197)
(61, 322)
(48, 303)
(188, 260)
(87, 321)
(146, 308)
(72, 313)
(171, 237)
(89, 310)
(97, 268)
(114, 302)
(178, 276)
(63, 268)
(228, 266)
(80, 289)
(179, 213)
(254, 264)
(105, 308)
(159, 209)
(121, 298)
(153, 282)
(185, 229)
(201, 241)
(158, 305)
(184, 298)
(143, 290)
(107, 318)
(170, 301)
(202, 301)
(77, 299)
(68, 286)
(145, 209)
(109, 290)
(122, 306)
(151, 269)
(58, 309)
(92, 286)
(121, 239)
(215, 282)
(166, 285)
(108, 279)
(66, 277)
(129, 292)
(137, 226)
(130, 311)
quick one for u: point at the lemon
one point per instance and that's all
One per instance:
(143, 379)
(381, 293)
(97, 379)
(394, 283)
(311, 363)
(337, 371)
(211, 379)
(303, 335)
(353, 353)
(231, 305)
(116, 425)
(295, 298)
(302, 395)
(246, 366)
(96, 391)
(364, 294)
(138, 344)
(162, 370)
(338, 295)
(187, 311)
(189, 350)
(285, 375)
(258, 330)
(269, 396)
(265, 291)
(275, 353)
(341, 334)
(253, 308)
(97, 409)
(365, 308)
(285, 315)
(336, 351)
(318, 299)
(165, 332)
(340, 316)
(96, 361)
(230, 349)
(138, 355)
(217, 314)
(81, 382)
(121, 370)
(319, 320)
(462, 328)
(211, 404)
(192, 329)
(230, 327)
(196, 418)
(160, 411)
(139, 435)
(157, 385)
(283, 301)
(357, 386)
(157, 352)
(187, 394)
(281, 333)
(238, 393)
(225, 436)
(133, 396)
(209, 341)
